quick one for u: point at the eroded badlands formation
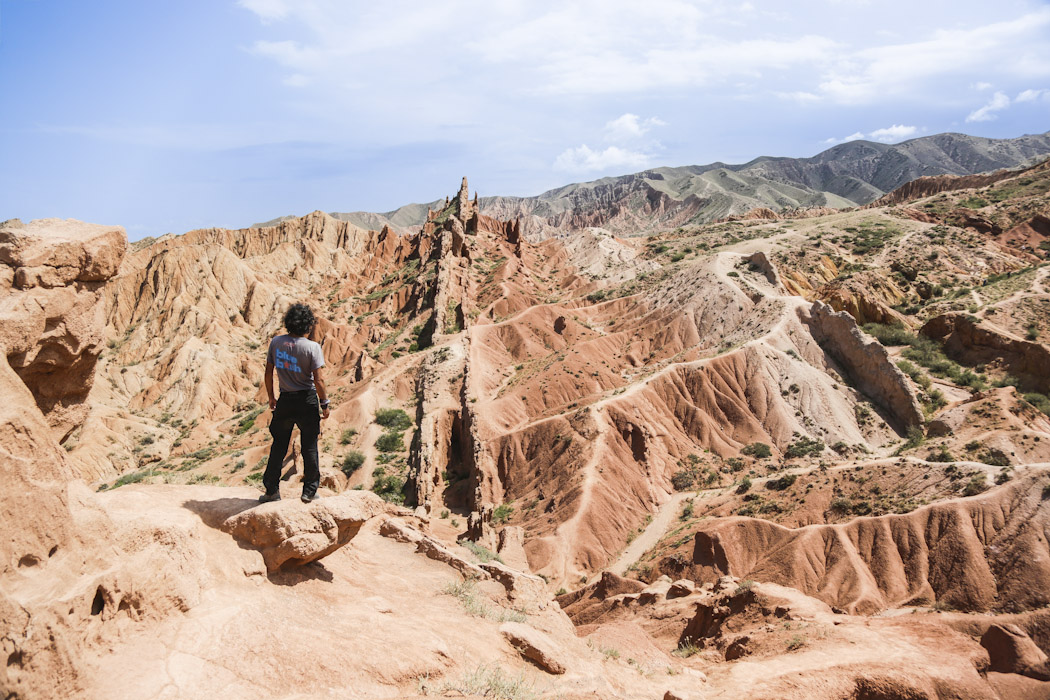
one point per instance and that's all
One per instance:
(764, 458)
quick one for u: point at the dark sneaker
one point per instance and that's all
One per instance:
(268, 497)
(309, 498)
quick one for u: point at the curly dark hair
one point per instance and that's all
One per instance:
(299, 320)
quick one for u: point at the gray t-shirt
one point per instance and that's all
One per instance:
(295, 359)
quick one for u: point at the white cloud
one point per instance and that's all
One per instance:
(852, 137)
(583, 159)
(893, 134)
(889, 134)
(266, 9)
(629, 127)
(981, 87)
(876, 73)
(1032, 95)
(998, 103)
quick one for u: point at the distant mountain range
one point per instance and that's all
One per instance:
(846, 175)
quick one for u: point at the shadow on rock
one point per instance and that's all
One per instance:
(215, 513)
(291, 534)
(290, 576)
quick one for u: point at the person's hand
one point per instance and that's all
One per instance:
(273, 404)
(325, 412)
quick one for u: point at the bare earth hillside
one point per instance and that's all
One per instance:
(767, 457)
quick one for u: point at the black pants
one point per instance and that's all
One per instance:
(294, 408)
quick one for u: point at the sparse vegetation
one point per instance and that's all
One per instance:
(247, 421)
(489, 682)
(393, 419)
(390, 442)
(940, 454)
(758, 450)
(347, 436)
(977, 484)
(804, 446)
(389, 487)
(686, 649)
(352, 461)
(1040, 401)
(683, 480)
(467, 593)
(783, 482)
(482, 554)
(501, 514)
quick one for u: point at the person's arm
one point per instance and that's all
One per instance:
(269, 385)
(322, 391)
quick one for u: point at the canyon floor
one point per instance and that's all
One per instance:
(764, 457)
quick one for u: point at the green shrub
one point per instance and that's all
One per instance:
(393, 419)
(482, 554)
(389, 487)
(683, 480)
(915, 437)
(502, 513)
(390, 442)
(916, 374)
(352, 461)
(759, 450)
(248, 420)
(782, 483)
(804, 446)
(1040, 401)
(940, 454)
(347, 436)
(977, 484)
(890, 335)
(994, 457)
(744, 486)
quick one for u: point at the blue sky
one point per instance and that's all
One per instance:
(171, 116)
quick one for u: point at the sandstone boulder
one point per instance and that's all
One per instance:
(681, 588)
(333, 479)
(511, 547)
(291, 533)
(534, 646)
(1011, 650)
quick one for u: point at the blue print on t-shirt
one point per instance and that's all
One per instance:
(287, 361)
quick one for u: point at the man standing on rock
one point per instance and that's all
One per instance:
(299, 363)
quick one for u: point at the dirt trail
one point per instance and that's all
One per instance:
(656, 529)
(667, 512)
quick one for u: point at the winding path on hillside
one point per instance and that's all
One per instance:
(665, 515)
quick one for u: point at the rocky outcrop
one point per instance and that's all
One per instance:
(935, 184)
(865, 363)
(51, 275)
(287, 533)
(971, 343)
(51, 334)
(866, 296)
(980, 553)
(1011, 650)
(535, 646)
